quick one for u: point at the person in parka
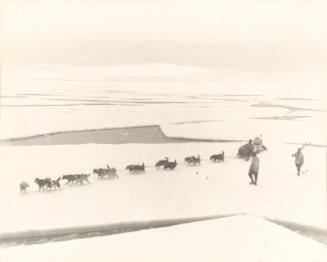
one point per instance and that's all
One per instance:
(299, 160)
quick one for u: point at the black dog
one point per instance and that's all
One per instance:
(218, 157)
(192, 160)
(130, 168)
(101, 172)
(136, 168)
(69, 178)
(111, 172)
(43, 183)
(170, 165)
(162, 162)
(81, 178)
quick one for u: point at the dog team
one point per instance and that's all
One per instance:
(48, 184)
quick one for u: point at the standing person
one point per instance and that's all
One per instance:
(299, 160)
(254, 169)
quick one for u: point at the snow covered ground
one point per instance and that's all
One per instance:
(251, 238)
(204, 111)
(218, 188)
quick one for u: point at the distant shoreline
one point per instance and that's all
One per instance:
(147, 134)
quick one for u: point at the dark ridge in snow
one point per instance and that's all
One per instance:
(58, 105)
(243, 95)
(100, 103)
(314, 233)
(296, 98)
(290, 108)
(70, 233)
(150, 134)
(285, 117)
(196, 121)
(63, 234)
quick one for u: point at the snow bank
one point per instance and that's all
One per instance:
(239, 238)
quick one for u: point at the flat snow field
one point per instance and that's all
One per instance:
(208, 189)
(199, 111)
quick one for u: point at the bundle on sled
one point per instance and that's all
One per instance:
(246, 151)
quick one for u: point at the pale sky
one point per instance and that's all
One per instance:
(229, 35)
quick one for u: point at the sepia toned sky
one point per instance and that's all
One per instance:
(231, 36)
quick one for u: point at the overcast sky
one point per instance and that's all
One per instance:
(242, 36)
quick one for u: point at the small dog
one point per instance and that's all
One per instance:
(136, 168)
(55, 184)
(69, 178)
(23, 187)
(82, 177)
(43, 183)
(170, 165)
(78, 178)
(162, 162)
(218, 158)
(112, 174)
(102, 172)
(192, 160)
